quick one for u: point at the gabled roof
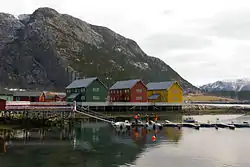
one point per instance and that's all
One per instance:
(48, 94)
(160, 85)
(81, 83)
(124, 84)
(28, 94)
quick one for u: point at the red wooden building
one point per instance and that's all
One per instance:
(2, 104)
(27, 96)
(52, 96)
(128, 91)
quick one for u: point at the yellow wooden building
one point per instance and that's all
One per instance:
(169, 91)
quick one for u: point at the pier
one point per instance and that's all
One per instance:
(108, 106)
(62, 111)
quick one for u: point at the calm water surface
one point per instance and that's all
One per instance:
(98, 145)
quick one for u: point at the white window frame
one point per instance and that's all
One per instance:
(95, 98)
(82, 89)
(139, 90)
(96, 89)
(138, 98)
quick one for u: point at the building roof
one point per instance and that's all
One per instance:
(73, 95)
(160, 85)
(124, 84)
(29, 94)
(50, 95)
(6, 92)
(81, 83)
(153, 97)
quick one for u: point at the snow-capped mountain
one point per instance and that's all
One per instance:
(228, 85)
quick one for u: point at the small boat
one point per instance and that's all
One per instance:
(189, 120)
(170, 124)
(138, 124)
(152, 124)
(239, 125)
(191, 125)
(121, 126)
(223, 125)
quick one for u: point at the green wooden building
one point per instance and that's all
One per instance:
(87, 90)
(8, 96)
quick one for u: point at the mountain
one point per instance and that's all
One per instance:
(228, 85)
(47, 50)
(237, 89)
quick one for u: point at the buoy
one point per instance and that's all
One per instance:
(153, 138)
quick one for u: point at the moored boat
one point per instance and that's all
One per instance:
(190, 120)
(170, 124)
(241, 125)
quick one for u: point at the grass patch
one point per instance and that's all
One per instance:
(204, 97)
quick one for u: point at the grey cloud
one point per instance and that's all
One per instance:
(233, 25)
(163, 42)
(167, 12)
(188, 60)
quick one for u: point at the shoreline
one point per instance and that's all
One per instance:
(119, 116)
(131, 114)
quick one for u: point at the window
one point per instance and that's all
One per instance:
(96, 98)
(138, 98)
(175, 91)
(138, 90)
(174, 98)
(82, 89)
(95, 89)
(68, 91)
(82, 97)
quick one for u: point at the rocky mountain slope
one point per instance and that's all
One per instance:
(228, 85)
(237, 89)
(47, 50)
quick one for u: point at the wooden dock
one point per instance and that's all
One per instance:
(206, 125)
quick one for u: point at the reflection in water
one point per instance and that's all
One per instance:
(98, 145)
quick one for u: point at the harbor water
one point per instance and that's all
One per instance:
(99, 145)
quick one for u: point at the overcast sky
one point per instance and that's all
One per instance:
(203, 40)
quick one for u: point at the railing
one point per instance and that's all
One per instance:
(127, 104)
(23, 103)
(27, 103)
(38, 108)
(17, 103)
